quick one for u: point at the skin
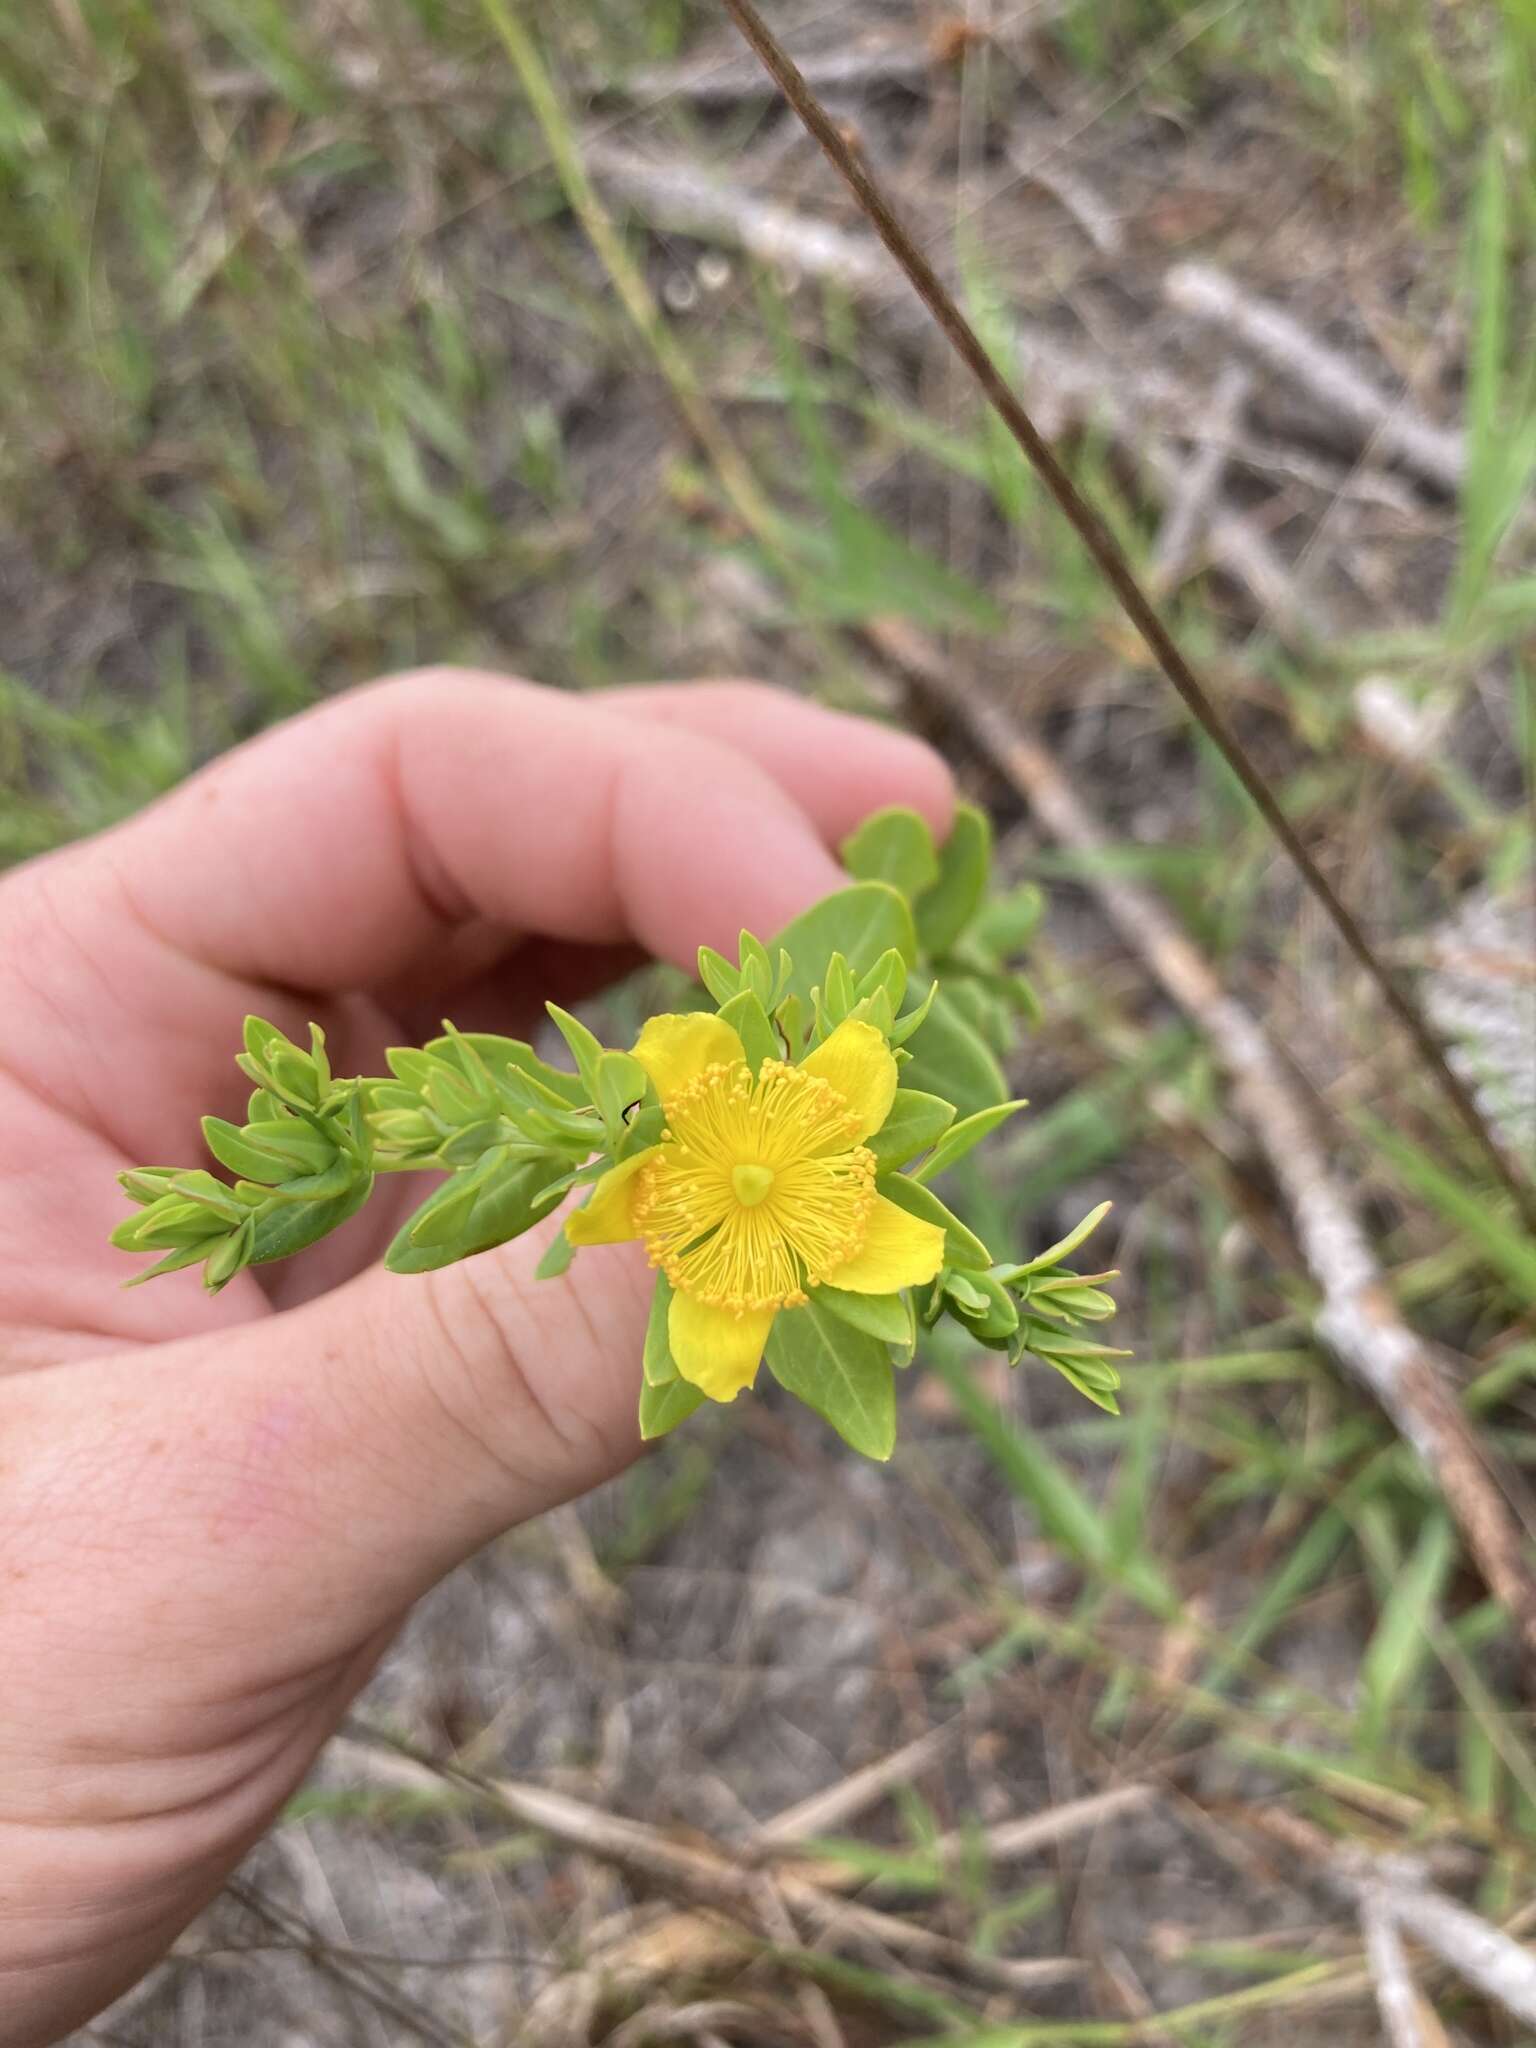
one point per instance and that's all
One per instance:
(214, 1512)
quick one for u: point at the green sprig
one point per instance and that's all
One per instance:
(918, 947)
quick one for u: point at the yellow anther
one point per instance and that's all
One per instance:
(732, 1140)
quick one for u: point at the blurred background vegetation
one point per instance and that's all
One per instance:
(347, 335)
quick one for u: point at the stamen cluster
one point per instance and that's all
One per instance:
(738, 1241)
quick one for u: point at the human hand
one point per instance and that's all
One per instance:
(214, 1511)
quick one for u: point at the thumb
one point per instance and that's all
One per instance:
(264, 1500)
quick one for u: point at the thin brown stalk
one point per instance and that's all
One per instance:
(1118, 574)
(1358, 1319)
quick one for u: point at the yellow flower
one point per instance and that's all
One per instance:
(758, 1189)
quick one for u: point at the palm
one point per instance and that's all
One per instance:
(215, 1509)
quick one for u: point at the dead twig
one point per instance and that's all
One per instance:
(815, 2006)
(1397, 1997)
(1042, 165)
(682, 1946)
(1395, 1888)
(853, 1794)
(687, 201)
(718, 81)
(1071, 381)
(1481, 1954)
(1390, 424)
(1192, 502)
(1357, 1318)
(686, 2022)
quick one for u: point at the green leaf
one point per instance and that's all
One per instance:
(411, 1067)
(169, 1223)
(751, 1023)
(888, 976)
(275, 1063)
(916, 1121)
(145, 1184)
(498, 1055)
(445, 1214)
(659, 1364)
(334, 1180)
(663, 1408)
(990, 1314)
(1084, 1364)
(844, 1374)
(257, 1034)
(173, 1262)
(1062, 1249)
(955, 895)
(789, 1016)
(950, 1058)
(485, 1205)
(893, 846)
(885, 1316)
(586, 1050)
(1401, 1641)
(860, 922)
(960, 1139)
(230, 1258)
(718, 975)
(1008, 923)
(233, 1148)
(622, 1084)
(557, 1257)
(467, 1145)
(1483, 1216)
(757, 970)
(983, 1008)
(962, 1247)
(838, 993)
(284, 1228)
(906, 1026)
(455, 1099)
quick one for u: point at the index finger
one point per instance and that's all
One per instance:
(329, 854)
(326, 855)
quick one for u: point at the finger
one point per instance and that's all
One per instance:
(253, 1512)
(330, 854)
(838, 768)
(324, 855)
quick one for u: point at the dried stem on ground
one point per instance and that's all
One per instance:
(739, 1892)
(1394, 1890)
(1397, 1999)
(1358, 1319)
(1392, 424)
(1196, 489)
(1148, 410)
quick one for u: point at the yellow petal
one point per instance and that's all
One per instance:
(674, 1049)
(898, 1251)
(715, 1349)
(609, 1218)
(862, 1068)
